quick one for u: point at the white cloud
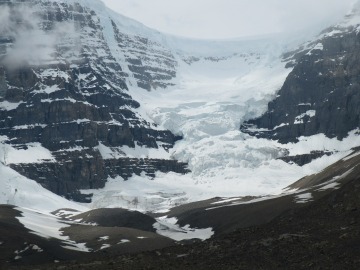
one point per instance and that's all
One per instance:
(231, 18)
(31, 43)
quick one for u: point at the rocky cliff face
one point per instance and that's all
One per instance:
(322, 93)
(71, 95)
(152, 65)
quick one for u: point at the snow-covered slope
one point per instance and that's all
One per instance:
(20, 191)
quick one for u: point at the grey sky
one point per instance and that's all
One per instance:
(231, 18)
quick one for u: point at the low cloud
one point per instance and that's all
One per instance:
(232, 18)
(28, 42)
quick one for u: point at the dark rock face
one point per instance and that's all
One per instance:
(75, 98)
(320, 95)
(88, 170)
(117, 217)
(126, 167)
(305, 158)
(152, 65)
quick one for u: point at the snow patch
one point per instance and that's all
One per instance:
(29, 126)
(48, 226)
(333, 185)
(303, 198)
(8, 106)
(132, 152)
(281, 125)
(104, 246)
(168, 227)
(318, 46)
(31, 153)
(103, 238)
(300, 118)
(123, 241)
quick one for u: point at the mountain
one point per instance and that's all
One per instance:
(117, 139)
(321, 94)
(66, 110)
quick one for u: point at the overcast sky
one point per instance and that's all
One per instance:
(231, 18)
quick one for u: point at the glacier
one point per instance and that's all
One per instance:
(219, 84)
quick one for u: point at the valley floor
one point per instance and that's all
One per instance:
(324, 234)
